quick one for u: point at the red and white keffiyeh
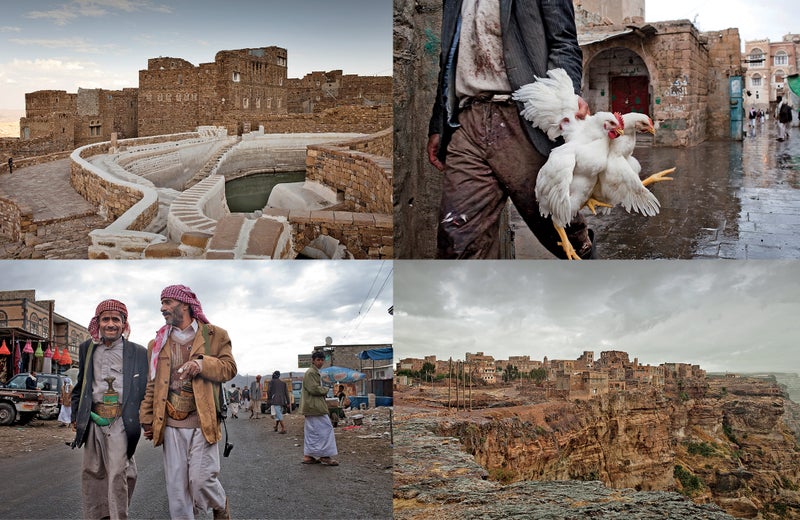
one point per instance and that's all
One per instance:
(108, 305)
(182, 294)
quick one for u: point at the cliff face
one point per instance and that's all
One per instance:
(727, 441)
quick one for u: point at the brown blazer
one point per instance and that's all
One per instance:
(218, 367)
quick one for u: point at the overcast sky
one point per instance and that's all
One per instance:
(273, 310)
(771, 19)
(738, 316)
(66, 44)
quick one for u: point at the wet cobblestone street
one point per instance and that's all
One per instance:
(729, 199)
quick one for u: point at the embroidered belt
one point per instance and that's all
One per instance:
(180, 405)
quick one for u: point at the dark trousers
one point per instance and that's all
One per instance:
(489, 159)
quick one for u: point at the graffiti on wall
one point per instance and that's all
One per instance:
(678, 88)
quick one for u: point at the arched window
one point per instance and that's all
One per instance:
(33, 323)
(756, 80)
(756, 58)
(781, 59)
(3, 319)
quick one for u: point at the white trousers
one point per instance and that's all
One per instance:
(191, 469)
(108, 476)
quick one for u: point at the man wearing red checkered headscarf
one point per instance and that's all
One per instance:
(189, 359)
(106, 421)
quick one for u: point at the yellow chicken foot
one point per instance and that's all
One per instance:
(593, 203)
(565, 243)
(658, 177)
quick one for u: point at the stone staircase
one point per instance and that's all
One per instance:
(206, 170)
(165, 198)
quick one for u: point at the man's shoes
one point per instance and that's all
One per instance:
(276, 427)
(781, 139)
(223, 514)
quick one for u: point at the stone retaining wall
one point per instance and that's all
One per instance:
(132, 206)
(366, 235)
(362, 178)
(11, 220)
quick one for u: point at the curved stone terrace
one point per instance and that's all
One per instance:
(165, 195)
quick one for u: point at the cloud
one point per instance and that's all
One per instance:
(70, 12)
(661, 312)
(6, 28)
(76, 44)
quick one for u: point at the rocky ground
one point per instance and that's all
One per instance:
(512, 449)
(434, 479)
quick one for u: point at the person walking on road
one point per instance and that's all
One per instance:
(319, 443)
(189, 360)
(10, 165)
(233, 399)
(255, 398)
(105, 401)
(278, 394)
(783, 113)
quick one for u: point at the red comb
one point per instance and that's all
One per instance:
(619, 119)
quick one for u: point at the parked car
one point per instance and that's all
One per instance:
(22, 404)
(50, 387)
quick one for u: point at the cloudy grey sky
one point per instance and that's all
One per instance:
(273, 310)
(66, 44)
(726, 316)
(770, 19)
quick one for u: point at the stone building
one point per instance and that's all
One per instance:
(23, 318)
(767, 64)
(323, 90)
(240, 90)
(237, 91)
(482, 366)
(72, 120)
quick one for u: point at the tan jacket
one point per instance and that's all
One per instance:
(312, 398)
(218, 367)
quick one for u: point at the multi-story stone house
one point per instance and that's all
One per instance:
(767, 64)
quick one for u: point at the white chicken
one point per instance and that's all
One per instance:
(566, 181)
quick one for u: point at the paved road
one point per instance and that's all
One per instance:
(263, 478)
(730, 199)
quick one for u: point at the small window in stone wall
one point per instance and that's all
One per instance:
(756, 80)
(246, 103)
(236, 77)
(148, 97)
(180, 79)
(258, 103)
(161, 97)
(169, 97)
(178, 97)
(3, 319)
(194, 97)
(269, 102)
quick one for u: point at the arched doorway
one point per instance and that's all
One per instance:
(619, 82)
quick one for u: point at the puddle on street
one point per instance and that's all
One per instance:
(728, 199)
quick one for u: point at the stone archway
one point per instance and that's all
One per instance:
(618, 79)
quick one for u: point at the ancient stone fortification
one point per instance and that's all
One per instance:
(240, 90)
(236, 91)
(725, 440)
(322, 90)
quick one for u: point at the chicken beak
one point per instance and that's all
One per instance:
(651, 130)
(619, 131)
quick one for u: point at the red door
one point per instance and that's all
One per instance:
(630, 94)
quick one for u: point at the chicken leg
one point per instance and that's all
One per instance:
(658, 177)
(593, 203)
(565, 243)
